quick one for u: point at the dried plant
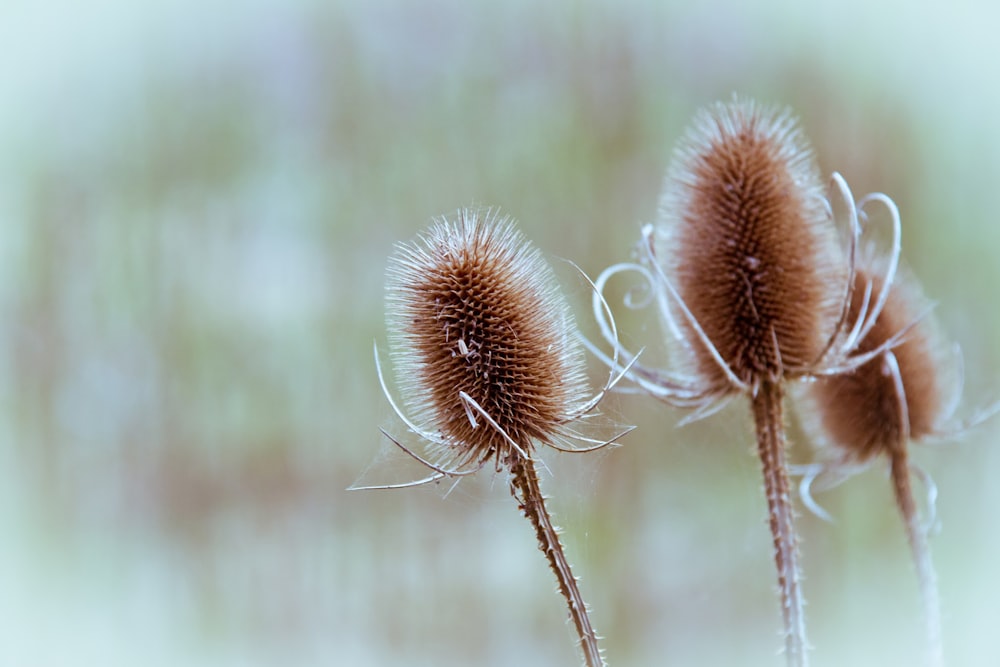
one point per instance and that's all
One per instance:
(750, 277)
(490, 366)
(875, 410)
(908, 392)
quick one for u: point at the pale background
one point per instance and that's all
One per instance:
(196, 203)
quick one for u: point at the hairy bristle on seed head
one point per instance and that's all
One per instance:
(745, 235)
(473, 307)
(856, 415)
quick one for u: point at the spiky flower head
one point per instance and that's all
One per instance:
(906, 390)
(475, 315)
(745, 235)
(906, 393)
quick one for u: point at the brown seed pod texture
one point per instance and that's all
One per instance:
(858, 412)
(474, 308)
(745, 235)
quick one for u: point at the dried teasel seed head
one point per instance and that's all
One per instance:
(745, 235)
(473, 308)
(857, 415)
(906, 390)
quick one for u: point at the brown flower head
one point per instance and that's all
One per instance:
(905, 393)
(480, 332)
(746, 238)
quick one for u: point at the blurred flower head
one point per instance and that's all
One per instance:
(908, 392)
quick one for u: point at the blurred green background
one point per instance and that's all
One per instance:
(197, 200)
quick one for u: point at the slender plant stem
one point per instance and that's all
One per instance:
(528, 493)
(917, 537)
(770, 427)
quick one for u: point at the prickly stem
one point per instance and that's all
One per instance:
(770, 428)
(527, 491)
